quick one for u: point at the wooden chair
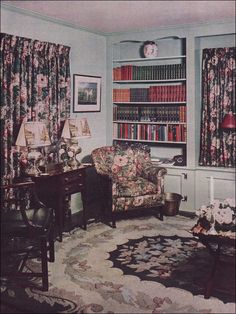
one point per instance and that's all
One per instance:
(26, 232)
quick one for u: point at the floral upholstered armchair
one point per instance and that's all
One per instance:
(129, 180)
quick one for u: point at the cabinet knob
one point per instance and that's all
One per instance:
(185, 175)
(185, 198)
(66, 189)
(66, 179)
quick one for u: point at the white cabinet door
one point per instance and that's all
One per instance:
(181, 181)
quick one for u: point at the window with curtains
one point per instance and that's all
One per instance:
(217, 146)
(35, 86)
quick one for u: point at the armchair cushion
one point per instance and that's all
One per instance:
(144, 201)
(133, 186)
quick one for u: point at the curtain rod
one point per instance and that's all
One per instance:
(27, 38)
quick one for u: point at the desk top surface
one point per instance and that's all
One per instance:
(221, 236)
(60, 171)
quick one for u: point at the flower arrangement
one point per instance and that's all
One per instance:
(217, 218)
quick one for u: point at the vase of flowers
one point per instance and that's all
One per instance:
(218, 218)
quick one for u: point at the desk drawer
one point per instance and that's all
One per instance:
(72, 187)
(71, 177)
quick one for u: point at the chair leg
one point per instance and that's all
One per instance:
(51, 247)
(113, 220)
(159, 213)
(51, 251)
(113, 224)
(44, 263)
(161, 216)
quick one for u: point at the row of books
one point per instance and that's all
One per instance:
(150, 132)
(150, 114)
(163, 93)
(152, 72)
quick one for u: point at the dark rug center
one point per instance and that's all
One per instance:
(175, 262)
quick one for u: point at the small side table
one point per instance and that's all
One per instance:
(214, 244)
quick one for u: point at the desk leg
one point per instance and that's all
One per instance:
(216, 256)
(60, 216)
(83, 197)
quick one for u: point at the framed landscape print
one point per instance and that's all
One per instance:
(87, 93)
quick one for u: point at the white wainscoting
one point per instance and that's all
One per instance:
(224, 186)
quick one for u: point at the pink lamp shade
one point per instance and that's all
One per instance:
(229, 121)
(75, 129)
(33, 134)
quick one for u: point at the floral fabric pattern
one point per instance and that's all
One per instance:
(124, 165)
(143, 201)
(217, 147)
(35, 86)
(135, 187)
(136, 182)
(218, 218)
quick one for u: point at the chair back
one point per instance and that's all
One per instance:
(26, 232)
(103, 159)
(19, 202)
(121, 160)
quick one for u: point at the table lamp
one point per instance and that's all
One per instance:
(33, 135)
(73, 130)
(229, 125)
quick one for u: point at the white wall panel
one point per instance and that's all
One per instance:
(224, 186)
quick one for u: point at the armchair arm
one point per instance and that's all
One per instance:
(152, 172)
(155, 174)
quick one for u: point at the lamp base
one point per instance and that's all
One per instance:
(73, 153)
(34, 156)
(73, 164)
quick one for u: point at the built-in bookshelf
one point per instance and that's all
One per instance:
(151, 72)
(149, 95)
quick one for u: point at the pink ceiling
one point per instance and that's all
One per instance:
(119, 16)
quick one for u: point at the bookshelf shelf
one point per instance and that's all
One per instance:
(148, 59)
(148, 102)
(149, 95)
(149, 122)
(149, 81)
(148, 141)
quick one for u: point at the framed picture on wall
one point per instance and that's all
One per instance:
(87, 93)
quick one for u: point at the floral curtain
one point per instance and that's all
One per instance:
(35, 86)
(217, 147)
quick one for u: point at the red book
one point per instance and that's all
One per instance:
(160, 95)
(178, 135)
(170, 133)
(156, 135)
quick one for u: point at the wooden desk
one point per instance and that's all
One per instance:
(54, 187)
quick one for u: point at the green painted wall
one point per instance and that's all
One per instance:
(87, 55)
